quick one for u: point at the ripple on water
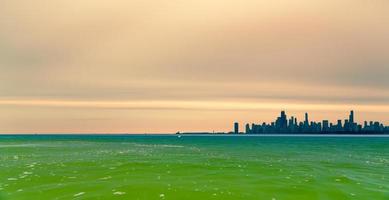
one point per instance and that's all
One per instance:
(106, 178)
(79, 194)
(26, 145)
(119, 193)
(159, 145)
(263, 169)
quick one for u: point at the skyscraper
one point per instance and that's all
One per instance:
(339, 125)
(306, 122)
(236, 128)
(283, 120)
(351, 118)
(325, 126)
(352, 125)
(248, 131)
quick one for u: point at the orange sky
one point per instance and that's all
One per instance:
(164, 66)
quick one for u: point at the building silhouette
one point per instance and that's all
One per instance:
(284, 125)
(236, 128)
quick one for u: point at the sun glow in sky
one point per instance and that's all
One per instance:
(166, 66)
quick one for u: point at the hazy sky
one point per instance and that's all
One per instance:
(189, 65)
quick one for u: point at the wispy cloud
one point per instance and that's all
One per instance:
(194, 105)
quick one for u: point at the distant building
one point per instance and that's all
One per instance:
(236, 128)
(351, 118)
(339, 125)
(248, 131)
(306, 122)
(326, 127)
(283, 120)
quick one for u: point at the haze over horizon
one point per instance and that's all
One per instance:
(167, 66)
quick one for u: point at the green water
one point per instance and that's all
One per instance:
(193, 167)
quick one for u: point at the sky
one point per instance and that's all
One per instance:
(142, 66)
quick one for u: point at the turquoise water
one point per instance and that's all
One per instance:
(193, 167)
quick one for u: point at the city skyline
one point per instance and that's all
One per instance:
(292, 125)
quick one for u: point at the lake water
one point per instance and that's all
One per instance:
(193, 167)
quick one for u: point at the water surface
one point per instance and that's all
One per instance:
(193, 167)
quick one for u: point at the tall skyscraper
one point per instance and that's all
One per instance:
(236, 128)
(352, 125)
(306, 122)
(351, 118)
(283, 120)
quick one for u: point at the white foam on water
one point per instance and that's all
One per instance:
(106, 178)
(31, 165)
(119, 193)
(170, 146)
(159, 145)
(79, 194)
(15, 145)
(26, 145)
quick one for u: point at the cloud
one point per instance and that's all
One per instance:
(284, 52)
(190, 105)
